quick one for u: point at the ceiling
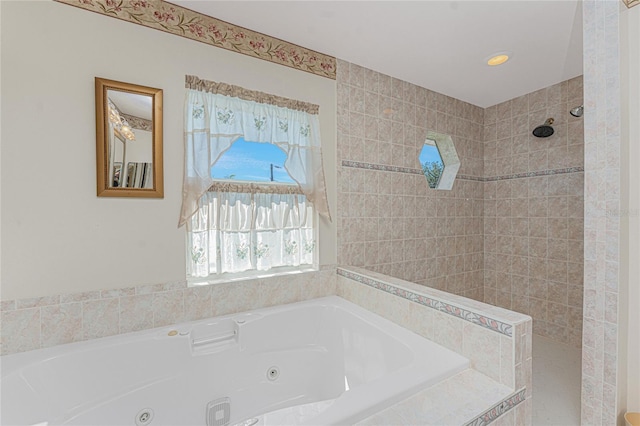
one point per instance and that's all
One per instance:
(440, 45)
(139, 106)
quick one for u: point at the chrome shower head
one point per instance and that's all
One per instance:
(545, 130)
(577, 111)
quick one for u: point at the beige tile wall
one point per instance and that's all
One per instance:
(533, 225)
(602, 401)
(389, 221)
(29, 324)
(516, 242)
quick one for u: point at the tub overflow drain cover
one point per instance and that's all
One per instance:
(273, 373)
(144, 417)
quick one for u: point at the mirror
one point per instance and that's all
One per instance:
(128, 140)
(439, 161)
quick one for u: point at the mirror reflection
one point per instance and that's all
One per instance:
(128, 140)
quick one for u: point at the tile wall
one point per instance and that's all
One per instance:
(533, 210)
(601, 21)
(390, 221)
(509, 233)
(28, 324)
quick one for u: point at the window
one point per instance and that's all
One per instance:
(252, 162)
(253, 218)
(254, 183)
(439, 161)
(431, 163)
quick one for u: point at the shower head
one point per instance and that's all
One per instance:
(577, 111)
(545, 130)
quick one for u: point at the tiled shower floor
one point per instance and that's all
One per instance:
(556, 383)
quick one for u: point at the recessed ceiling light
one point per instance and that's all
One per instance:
(498, 58)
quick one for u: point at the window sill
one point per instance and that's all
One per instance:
(249, 275)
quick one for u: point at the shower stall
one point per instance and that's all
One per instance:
(509, 232)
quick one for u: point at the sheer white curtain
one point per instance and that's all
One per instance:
(217, 114)
(240, 231)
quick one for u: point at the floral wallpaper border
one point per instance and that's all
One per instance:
(499, 409)
(138, 123)
(177, 20)
(472, 317)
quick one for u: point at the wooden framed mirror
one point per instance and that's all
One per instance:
(128, 140)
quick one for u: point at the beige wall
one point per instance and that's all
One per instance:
(533, 210)
(58, 237)
(629, 368)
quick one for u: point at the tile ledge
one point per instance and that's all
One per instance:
(472, 305)
(466, 398)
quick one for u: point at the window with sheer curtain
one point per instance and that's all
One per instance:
(238, 228)
(242, 227)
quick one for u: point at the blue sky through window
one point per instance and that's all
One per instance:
(251, 161)
(429, 154)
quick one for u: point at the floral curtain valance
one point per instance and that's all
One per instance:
(216, 88)
(213, 121)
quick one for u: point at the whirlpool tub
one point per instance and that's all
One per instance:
(321, 362)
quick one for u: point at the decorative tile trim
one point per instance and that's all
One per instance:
(385, 168)
(408, 170)
(380, 167)
(438, 305)
(468, 177)
(536, 174)
(631, 3)
(177, 20)
(499, 409)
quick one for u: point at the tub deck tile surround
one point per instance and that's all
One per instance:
(479, 313)
(459, 400)
(496, 341)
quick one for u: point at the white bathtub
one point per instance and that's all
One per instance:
(322, 362)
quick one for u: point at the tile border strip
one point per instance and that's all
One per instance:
(408, 170)
(499, 409)
(397, 169)
(550, 172)
(468, 177)
(177, 20)
(472, 317)
(380, 167)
